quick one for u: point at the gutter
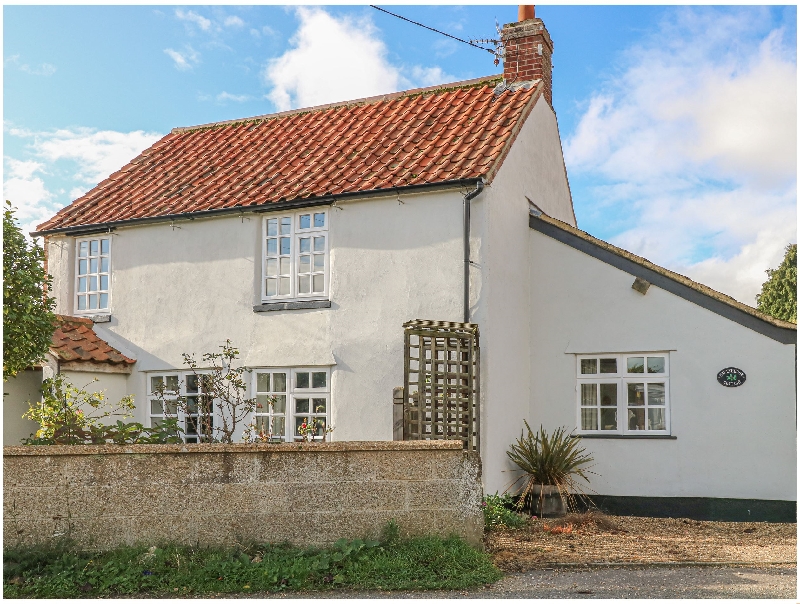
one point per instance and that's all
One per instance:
(467, 198)
(270, 206)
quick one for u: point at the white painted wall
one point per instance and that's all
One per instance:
(188, 289)
(534, 168)
(17, 391)
(731, 442)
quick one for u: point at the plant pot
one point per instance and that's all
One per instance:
(547, 501)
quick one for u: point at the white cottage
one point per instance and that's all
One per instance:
(309, 237)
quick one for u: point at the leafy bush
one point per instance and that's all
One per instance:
(498, 510)
(550, 460)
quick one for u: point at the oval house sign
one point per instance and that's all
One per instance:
(730, 377)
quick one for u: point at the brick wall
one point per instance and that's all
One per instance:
(528, 54)
(219, 494)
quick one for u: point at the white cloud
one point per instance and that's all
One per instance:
(237, 98)
(335, 59)
(185, 60)
(44, 69)
(233, 21)
(193, 17)
(693, 149)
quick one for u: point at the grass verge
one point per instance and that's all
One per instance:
(61, 570)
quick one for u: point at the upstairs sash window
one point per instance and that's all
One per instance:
(92, 275)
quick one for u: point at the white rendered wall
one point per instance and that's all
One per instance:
(731, 442)
(534, 168)
(17, 392)
(188, 289)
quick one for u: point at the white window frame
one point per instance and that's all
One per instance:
(622, 377)
(295, 234)
(293, 394)
(183, 378)
(98, 274)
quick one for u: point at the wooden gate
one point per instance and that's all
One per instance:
(441, 394)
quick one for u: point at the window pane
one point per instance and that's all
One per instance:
(304, 284)
(279, 426)
(588, 366)
(608, 395)
(656, 419)
(191, 426)
(305, 221)
(81, 267)
(589, 419)
(280, 404)
(655, 394)
(272, 267)
(171, 408)
(191, 383)
(272, 247)
(319, 244)
(285, 266)
(285, 246)
(191, 405)
(301, 380)
(92, 301)
(103, 301)
(262, 382)
(93, 248)
(319, 379)
(305, 244)
(279, 382)
(172, 383)
(635, 364)
(82, 284)
(81, 302)
(319, 262)
(635, 394)
(83, 249)
(655, 365)
(319, 405)
(155, 382)
(319, 283)
(608, 365)
(104, 283)
(286, 225)
(608, 419)
(272, 287)
(588, 395)
(272, 227)
(283, 288)
(104, 246)
(103, 265)
(319, 219)
(156, 407)
(156, 422)
(92, 284)
(92, 265)
(301, 405)
(635, 419)
(262, 403)
(305, 264)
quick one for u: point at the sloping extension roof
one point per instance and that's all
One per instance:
(682, 286)
(417, 138)
(75, 341)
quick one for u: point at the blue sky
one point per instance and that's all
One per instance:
(678, 123)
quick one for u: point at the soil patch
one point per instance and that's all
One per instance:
(597, 538)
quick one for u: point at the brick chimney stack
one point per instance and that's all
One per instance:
(528, 51)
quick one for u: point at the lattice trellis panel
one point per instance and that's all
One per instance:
(442, 390)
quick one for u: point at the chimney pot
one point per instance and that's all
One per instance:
(526, 12)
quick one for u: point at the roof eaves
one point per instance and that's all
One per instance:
(675, 283)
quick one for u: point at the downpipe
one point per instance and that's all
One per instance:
(467, 199)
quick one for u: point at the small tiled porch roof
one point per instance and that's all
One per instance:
(75, 340)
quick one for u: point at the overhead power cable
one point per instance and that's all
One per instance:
(489, 50)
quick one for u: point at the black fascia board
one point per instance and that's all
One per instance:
(274, 206)
(779, 334)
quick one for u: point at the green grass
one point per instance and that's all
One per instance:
(60, 570)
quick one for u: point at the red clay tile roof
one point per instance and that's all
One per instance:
(75, 340)
(417, 137)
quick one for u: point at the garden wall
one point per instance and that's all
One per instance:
(308, 494)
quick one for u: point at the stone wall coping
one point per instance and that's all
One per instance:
(408, 445)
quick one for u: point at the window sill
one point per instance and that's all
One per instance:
(95, 317)
(628, 436)
(296, 305)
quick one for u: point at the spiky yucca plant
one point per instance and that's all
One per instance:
(555, 459)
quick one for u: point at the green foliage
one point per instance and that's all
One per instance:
(778, 296)
(550, 460)
(498, 510)
(28, 320)
(68, 415)
(65, 571)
